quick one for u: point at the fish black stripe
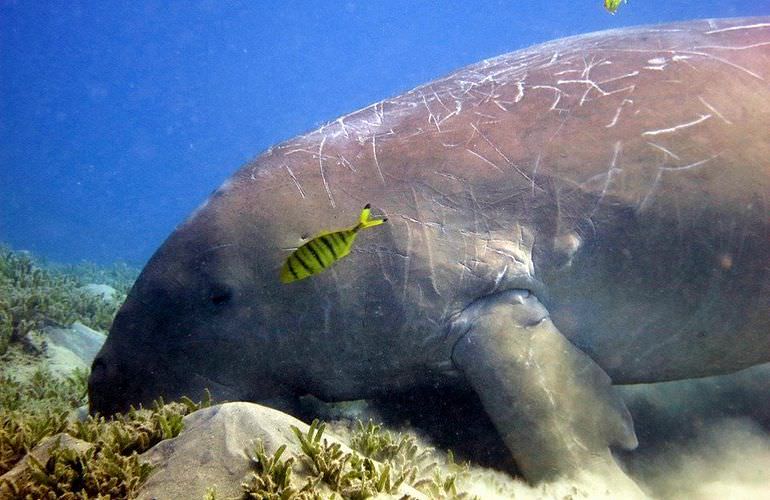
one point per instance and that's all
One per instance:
(302, 261)
(291, 269)
(310, 246)
(345, 238)
(336, 239)
(330, 245)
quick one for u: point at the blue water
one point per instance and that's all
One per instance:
(118, 118)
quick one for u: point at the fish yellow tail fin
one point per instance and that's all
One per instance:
(365, 222)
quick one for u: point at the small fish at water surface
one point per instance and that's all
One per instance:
(321, 252)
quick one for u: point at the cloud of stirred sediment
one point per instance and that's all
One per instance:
(699, 439)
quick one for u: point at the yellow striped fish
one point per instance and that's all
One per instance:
(324, 250)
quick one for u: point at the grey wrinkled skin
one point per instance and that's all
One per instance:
(622, 178)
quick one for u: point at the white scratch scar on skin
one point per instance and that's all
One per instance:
(591, 85)
(675, 128)
(342, 125)
(484, 160)
(499, 277)
(714, 110)
(486, 139)
(485, 115)
(431, 117)
(732, 47)
(323, 176)
(691, 165)
(557, 94)
(664, 150)
(407, 261)
(376, 161)
(744, 27)
(438, 98)
(502, 155)
(344, 161)
(617, 113)
(296, 182)
(567, 72)
(650, 196)
(534, 172)
(520, 91)
(428, 245)
(608, 176)
(725, 61)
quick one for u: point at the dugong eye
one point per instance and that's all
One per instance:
(220, 295)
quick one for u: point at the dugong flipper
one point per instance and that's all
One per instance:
(562, 413)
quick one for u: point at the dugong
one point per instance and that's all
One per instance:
(582, 213)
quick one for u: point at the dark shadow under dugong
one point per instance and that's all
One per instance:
(587, 212)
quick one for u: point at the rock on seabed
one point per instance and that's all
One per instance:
(211, 451)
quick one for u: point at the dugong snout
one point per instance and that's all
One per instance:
(106, 381)
(163, 354)
(117, 380)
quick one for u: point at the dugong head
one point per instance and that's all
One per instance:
(170, 334)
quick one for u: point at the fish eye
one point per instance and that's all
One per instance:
(220, 295)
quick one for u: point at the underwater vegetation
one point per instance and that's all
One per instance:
(33, 296)
(101, 456)
(379, 463)
(37, 405)
(33, 410)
